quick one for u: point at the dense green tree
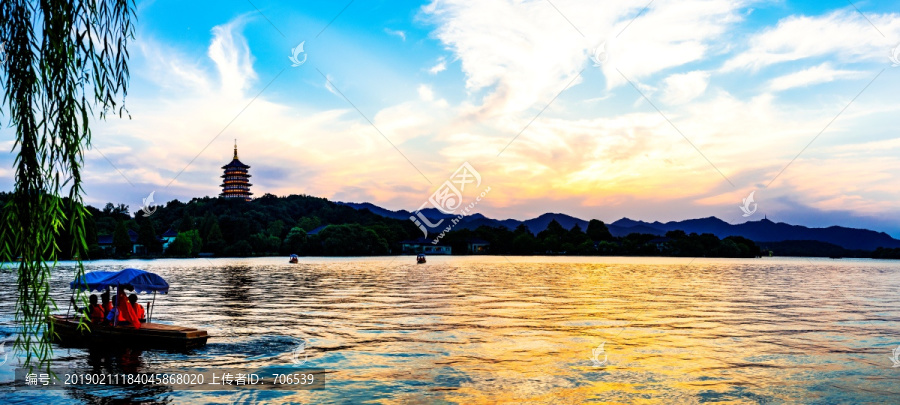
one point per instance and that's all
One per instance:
(276, 228)
(148, 237)
(295, 243)
(263, 243)
(240, 248)
(196, 241)
(554, 229)
(215, 243)
(309, 223)
(522, 229)
(206, 224)
(180, 247)
(727, 248)
(576, 236)
(886, 253)
(121, 241)
(235, 228)
(187, 222)
(597, 231)
(351, 240)
(524, 244)
(186, 244)
(747, 246)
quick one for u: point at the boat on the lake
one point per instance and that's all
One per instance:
(148, 335)
(294, 259)
(420, 258)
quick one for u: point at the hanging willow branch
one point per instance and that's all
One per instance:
(63, 59)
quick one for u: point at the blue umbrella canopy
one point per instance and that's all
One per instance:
(91, 281)
(141, 281)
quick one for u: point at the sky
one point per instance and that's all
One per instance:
(666, 110)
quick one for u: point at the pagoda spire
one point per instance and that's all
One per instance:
(235, 148)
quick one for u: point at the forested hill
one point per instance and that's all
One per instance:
(268, 225)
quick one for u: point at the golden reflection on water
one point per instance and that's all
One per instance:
(492, 329)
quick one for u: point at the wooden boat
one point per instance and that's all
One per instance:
(420, 259)
(149, 336)
(294, 259)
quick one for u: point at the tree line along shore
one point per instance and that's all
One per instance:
(313, 226)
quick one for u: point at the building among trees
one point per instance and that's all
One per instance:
(236, 180)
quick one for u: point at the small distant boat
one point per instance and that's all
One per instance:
(420, 258)
(294, 259)
(149, 336)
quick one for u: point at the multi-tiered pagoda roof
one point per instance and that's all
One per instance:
(236, 180)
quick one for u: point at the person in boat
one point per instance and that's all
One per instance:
(104, 298)
(112, 315)
(125, 311)
(138, 308)
(94, 311)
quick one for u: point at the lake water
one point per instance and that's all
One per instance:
(517, 329)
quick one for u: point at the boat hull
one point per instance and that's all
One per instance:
(149, 336)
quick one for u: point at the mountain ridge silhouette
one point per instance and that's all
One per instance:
(763, 230)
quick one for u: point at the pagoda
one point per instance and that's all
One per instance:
(236, 181)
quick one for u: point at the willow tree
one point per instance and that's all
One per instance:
(64, 63)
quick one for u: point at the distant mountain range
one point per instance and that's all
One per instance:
(760, 231)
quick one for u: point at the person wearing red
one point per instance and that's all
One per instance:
(125, 311)
(138, 308)
(93, 311)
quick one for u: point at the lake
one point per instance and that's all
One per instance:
(485, 329)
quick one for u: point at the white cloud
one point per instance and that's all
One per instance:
(328, 85)
(524, 59)
(439, 67)
(397, 33)
(425, 92)
(844, 34)
(818, 74)
(231, 54)
(683, 87)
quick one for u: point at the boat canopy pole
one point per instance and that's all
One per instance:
(116, 307)
(152, 305)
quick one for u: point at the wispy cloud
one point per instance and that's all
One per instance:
(439, 67)
(683, 87)
(396, 33)
(843, 34)
(329, 86)
(823, 73)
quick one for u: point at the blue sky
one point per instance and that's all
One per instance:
(743, 86)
